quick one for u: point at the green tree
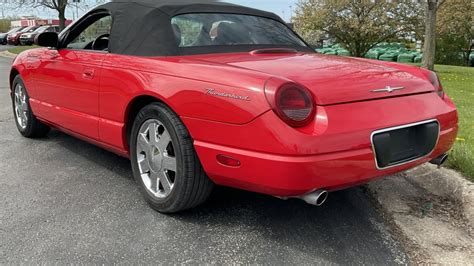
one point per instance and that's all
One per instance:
(358, 25)
(455, 30)
(4, 25)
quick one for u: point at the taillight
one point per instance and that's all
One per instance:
(293, 103)
(433, 78)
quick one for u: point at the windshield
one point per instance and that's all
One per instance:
(204, 29)
(25, 30)
(14, 30)
(41, 29)
(31, 29)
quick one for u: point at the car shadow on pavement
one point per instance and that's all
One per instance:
(103, 158)
(345, 226)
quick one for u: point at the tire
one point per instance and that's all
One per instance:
(182, 185)
(28, 125)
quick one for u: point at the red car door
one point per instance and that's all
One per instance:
(68, 85)
(68, 79)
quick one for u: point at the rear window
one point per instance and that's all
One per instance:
(205, 29)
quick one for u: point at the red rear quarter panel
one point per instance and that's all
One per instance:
(182, 84)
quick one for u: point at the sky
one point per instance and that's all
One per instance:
(283, 8)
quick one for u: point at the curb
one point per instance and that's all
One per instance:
(7, 54)
(431, 211)
(445, 182)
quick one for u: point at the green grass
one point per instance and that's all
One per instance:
(19, 49)
(458, 83)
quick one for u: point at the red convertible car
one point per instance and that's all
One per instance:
(250, 106)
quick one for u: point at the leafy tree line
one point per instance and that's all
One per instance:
(359, 25)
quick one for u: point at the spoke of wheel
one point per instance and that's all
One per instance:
(24, 118)
(165, 182)
(169, 163)
(154, 181)
(18, 101)
(143, 143)
(164, 140)
(152, 132)
(17, 97)
(144, 165)
(21, 95)
(24, 106)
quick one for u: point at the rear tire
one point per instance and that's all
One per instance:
(164, 162)
(26, 122)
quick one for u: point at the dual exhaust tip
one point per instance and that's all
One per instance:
(319, 197)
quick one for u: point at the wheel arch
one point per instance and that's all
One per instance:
(132, 110)
(13, 73)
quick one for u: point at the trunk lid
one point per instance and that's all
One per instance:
(333, 79)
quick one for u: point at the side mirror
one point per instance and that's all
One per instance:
(47, 39)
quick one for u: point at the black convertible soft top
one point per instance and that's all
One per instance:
(143, 28)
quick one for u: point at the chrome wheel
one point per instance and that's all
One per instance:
(21, 106)
(156, 158)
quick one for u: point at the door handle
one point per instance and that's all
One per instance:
(88, 74)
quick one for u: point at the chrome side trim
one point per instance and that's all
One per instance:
(402, 127)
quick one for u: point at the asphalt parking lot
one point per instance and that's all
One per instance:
(65, 201)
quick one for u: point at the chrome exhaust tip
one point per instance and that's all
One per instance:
(439, 160)
(316, 198)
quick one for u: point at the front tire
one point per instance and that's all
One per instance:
(26, 122)
(164, 162)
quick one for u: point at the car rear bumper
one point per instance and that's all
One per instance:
(13, 41)
(335, 153)
(297, 175)
(26, 40)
